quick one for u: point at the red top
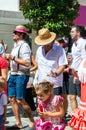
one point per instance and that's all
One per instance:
(3, 64)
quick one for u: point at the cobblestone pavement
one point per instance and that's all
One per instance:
(11, 120)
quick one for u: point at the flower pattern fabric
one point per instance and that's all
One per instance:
(50, 123)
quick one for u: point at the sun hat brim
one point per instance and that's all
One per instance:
(20, 30)
(39, 41)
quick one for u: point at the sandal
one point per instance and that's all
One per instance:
(15, 127)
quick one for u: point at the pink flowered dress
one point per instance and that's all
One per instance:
(50, 123)
(78, 121)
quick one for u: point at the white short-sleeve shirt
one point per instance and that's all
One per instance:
(78, 53)
(24, 52)
(3, 101)
(51, 61)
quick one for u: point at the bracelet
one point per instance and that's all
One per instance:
(13, 58)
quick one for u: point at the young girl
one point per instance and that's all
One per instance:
(3, 102)
(50, 108)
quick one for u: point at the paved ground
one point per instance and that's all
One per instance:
(11, 120)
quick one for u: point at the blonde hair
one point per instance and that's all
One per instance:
(2, 82)
(45, 87)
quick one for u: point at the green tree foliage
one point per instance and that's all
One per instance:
(56, 15)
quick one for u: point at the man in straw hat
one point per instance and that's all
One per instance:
(51, 60)
(20, 64)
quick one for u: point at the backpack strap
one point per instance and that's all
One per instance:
(18, 56)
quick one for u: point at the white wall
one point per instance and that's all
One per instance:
(9, 5)
(7, 24)
(6, 35)
(82, 2)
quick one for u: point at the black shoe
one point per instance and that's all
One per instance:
(68, 116)
(14, 127)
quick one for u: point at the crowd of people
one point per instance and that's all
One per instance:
(58, 74)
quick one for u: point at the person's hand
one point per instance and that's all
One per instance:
(67, 69)
(9, 56)
(53, 74)
(44, 114)
(75, 79)
(75, 73)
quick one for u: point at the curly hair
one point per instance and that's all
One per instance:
(45, 87)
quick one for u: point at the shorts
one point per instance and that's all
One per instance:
(1, 121)
(74, 88)
(65, 88)
(17, 86)
(57, 91)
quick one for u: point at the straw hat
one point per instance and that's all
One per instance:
(20, 28)
(44, 37)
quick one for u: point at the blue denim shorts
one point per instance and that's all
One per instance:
(17, 86)
(1, 121)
